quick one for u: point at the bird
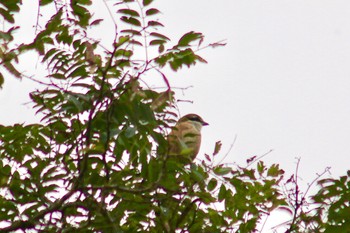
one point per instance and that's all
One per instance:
(184, 140)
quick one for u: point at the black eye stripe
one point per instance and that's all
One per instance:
(194, 119)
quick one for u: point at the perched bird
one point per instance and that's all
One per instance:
(185, 138)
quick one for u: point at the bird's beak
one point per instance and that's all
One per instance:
(205, 123)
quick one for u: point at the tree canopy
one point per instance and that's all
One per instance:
(97, 161)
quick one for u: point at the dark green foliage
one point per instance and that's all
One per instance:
(332, 210)
(8, 8)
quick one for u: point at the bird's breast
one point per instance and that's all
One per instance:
(185, 139)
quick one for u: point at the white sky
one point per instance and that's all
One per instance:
(282, 82)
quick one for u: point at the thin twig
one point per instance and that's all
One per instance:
(318, 176)
(258, 158)
(229, 149)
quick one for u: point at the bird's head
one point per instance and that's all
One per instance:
(194, 119)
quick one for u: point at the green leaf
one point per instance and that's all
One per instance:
(158, 35)
(58, 76)
(129, 12)
(222, 193)
(85, 2)
(217, 148)
(189, 37)
(157, 42)
(45, 2)
(96, 22)
(11, 69)
(205, 197)
(261, 167)
(197, 176)
(154, 24)
(49, 54)
(7, 15)
(147, 2)
(122, 40)
(222, 170)
(212, 184)
(131, 31)
(131, 20)
(274, 171)
(80, 71)
(130, 132)
(64, 37)
(1, 80)
(75, 101)
(6, 36)
(152, 11)
(82, 13)
(9, 209)
(161, 48)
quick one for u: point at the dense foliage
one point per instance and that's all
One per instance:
(97, 160)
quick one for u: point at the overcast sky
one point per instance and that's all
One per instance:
(282, 82)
